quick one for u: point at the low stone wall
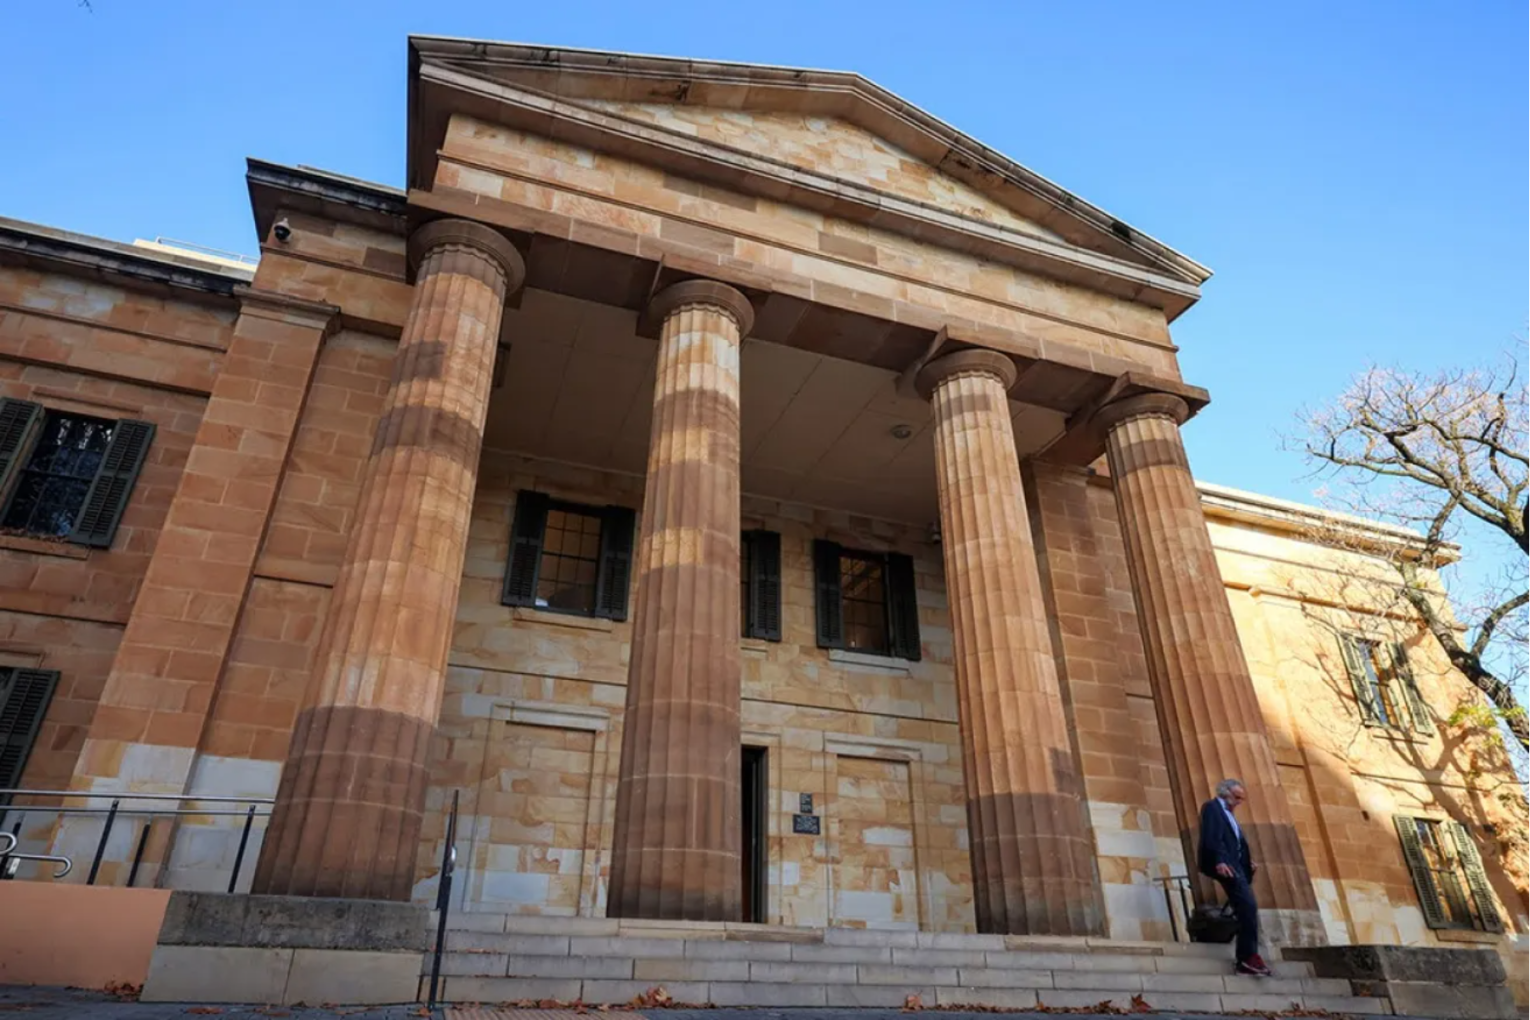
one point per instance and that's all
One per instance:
(1420, 981)
(283, 950)
(77, 935)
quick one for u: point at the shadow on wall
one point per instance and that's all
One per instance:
(1348, 778)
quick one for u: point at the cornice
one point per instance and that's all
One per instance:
(115, 262)
(320, 193)
(1314, 522)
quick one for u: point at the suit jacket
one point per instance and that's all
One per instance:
(1221, 843)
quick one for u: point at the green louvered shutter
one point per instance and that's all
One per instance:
(764, 610)
(1354, 665)
(828, 602)
(525, 549)
(1417, 707)
(1418, 865)
(110, 490)
(903, 608)
(1476, 876)
(17, 419)
(615, 577)
(24, 698)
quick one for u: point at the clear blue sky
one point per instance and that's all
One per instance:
(1354, 173)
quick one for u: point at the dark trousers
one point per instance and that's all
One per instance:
(1241, 898)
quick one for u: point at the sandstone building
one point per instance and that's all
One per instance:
(756, 499)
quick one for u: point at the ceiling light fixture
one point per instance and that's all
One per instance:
(901, 431)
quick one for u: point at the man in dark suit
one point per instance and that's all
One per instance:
(1224, 856)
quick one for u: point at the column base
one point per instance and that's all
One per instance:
(282, 950)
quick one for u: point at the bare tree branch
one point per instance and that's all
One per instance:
(1437, 452)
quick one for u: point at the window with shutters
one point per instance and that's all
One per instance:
(569, 558)
(1383, 683)
(866, 601)
(760, 585)
(24, 698)
(1447, 871)
(67, 475)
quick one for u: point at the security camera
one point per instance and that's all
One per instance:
(282, 230)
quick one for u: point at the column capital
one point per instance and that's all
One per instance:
(703, 292)
(469, 234)
(1143, 405)
(969, 362)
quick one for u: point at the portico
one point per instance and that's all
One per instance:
(756, 285)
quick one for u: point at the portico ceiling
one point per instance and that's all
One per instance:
(578, 386)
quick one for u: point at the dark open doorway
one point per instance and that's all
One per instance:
(754, 789)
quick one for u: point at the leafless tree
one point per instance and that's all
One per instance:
(1443, 454)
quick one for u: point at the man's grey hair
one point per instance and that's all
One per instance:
(1227, 786)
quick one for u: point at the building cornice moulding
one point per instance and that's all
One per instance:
(275, 186)
(116, 263)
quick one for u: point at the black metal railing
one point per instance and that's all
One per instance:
(1177, 887)
(444, 899)
(251, 809)
(9, 853)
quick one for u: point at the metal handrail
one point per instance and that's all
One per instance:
(444, 899)
(129, 795)
(9, 854)
(1182, 883)
(249, 814)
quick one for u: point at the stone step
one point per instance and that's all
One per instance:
(693, 969)
(892, 991)
(631, 947)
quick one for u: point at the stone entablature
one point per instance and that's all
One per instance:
(336, 451)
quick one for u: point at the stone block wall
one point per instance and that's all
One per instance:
(1346, 780)
(531, 727)
(88, 347)
(1104, 673)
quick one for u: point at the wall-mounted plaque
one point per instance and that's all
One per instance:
(805, 825)
(805, 803)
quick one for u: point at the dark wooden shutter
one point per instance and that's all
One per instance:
(764, 609)
(830, 609)
(109, 491)
(1417, 708)
(1418, 865)
(1354, 664)
(24, 698)
(1476, 875)
(17, 419)
(615, 563)
(902, 608)
(525, 549)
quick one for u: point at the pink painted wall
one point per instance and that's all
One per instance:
(76, 935)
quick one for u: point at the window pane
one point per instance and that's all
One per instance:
(570, 560)
(863, 595)
(52, 484)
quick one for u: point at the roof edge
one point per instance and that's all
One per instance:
(1287, 515)
(323, 192)
(97, 255)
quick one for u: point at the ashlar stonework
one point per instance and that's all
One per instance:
(746, 497)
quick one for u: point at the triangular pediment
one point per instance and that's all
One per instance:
(831, 146)
(827, 137)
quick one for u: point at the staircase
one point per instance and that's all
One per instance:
(494, 958)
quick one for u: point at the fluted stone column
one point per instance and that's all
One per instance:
(1032, 858)
(676, 851)
(348, 812)
(1208, 710)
